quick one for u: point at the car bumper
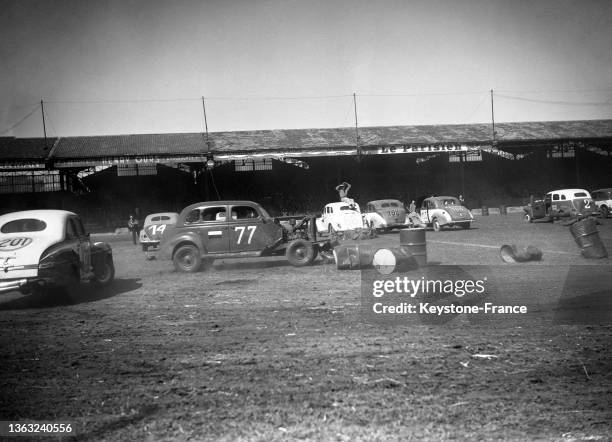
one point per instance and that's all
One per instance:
(24, 285)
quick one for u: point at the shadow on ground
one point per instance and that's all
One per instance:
(59, 297)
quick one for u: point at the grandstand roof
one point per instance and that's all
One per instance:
(295, 141)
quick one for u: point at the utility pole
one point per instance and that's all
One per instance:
(492, 115)
(356, 126)
(205, 168)
(42, 110)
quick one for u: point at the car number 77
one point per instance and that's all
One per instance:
(241, 229)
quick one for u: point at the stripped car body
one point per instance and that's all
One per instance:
(385, 214)
(440, 211)
(204, 232)
(340, 217)
(154, 227)
(50, 248)
(563, 203)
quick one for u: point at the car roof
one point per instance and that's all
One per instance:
(45, 215)
(169, 214)
(55, 219)
(441, 197)
(568, 191)
(607, 189)
(390, 200)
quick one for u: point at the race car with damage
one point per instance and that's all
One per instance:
(212, 230)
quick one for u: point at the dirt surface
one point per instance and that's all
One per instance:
(259, 350)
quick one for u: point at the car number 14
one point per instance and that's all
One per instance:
(251, 229)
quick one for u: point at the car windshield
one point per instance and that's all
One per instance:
(24, 225)
(347, 208)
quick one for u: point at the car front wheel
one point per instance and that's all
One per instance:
(301, 253)
(104, 273)
(436, 225)
(187, 259)
(605, 211)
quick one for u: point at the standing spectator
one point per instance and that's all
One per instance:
(134, 227)
(412, 207)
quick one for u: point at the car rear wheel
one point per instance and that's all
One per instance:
(605, 211)
(301, 253)
(104, 273)
(527, 218)
(464, 226)
(436, 225)
(187, 259)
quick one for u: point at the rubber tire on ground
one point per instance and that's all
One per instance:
(103, 277)
(465, 226)
(436, 225)
(301, 253)
(187, 259)
(605, 211)
(527, 218)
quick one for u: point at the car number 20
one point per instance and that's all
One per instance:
(241, 229)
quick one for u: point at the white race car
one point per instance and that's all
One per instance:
(154, 227)
(338, 217)
(50, 248)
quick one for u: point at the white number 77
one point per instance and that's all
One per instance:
(241, 229)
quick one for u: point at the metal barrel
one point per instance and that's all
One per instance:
(485, 211)
(414, 242)
(353, 256)
(587, 237)
(395, 260)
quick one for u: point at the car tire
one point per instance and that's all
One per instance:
(187, 259)
(330, 229)
(105, 273)
(465, 226)
(436, 225)
(528, 218)
(301, 253)
(605, 211)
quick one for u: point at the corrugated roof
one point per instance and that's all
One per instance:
(25, 148)
(299, 139)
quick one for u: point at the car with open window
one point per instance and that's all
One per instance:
(236, 229)
(155, 224)
(42, 249)
(562, 203)
(445, 211)
(603, 200)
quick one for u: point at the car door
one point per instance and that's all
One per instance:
(210, 223)
(74, 240)
(249, 231)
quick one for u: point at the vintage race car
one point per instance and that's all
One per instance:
(154, 227)
(385, 214)
(236, 229)
(603, 200)
(339, 217)
(440, 211)
(50, 248)
(563, 203)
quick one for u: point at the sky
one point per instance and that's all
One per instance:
(104, 67)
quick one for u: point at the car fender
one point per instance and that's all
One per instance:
(170, 244)
(99, 252)
(374, 220)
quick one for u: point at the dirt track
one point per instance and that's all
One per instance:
(256, 349)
